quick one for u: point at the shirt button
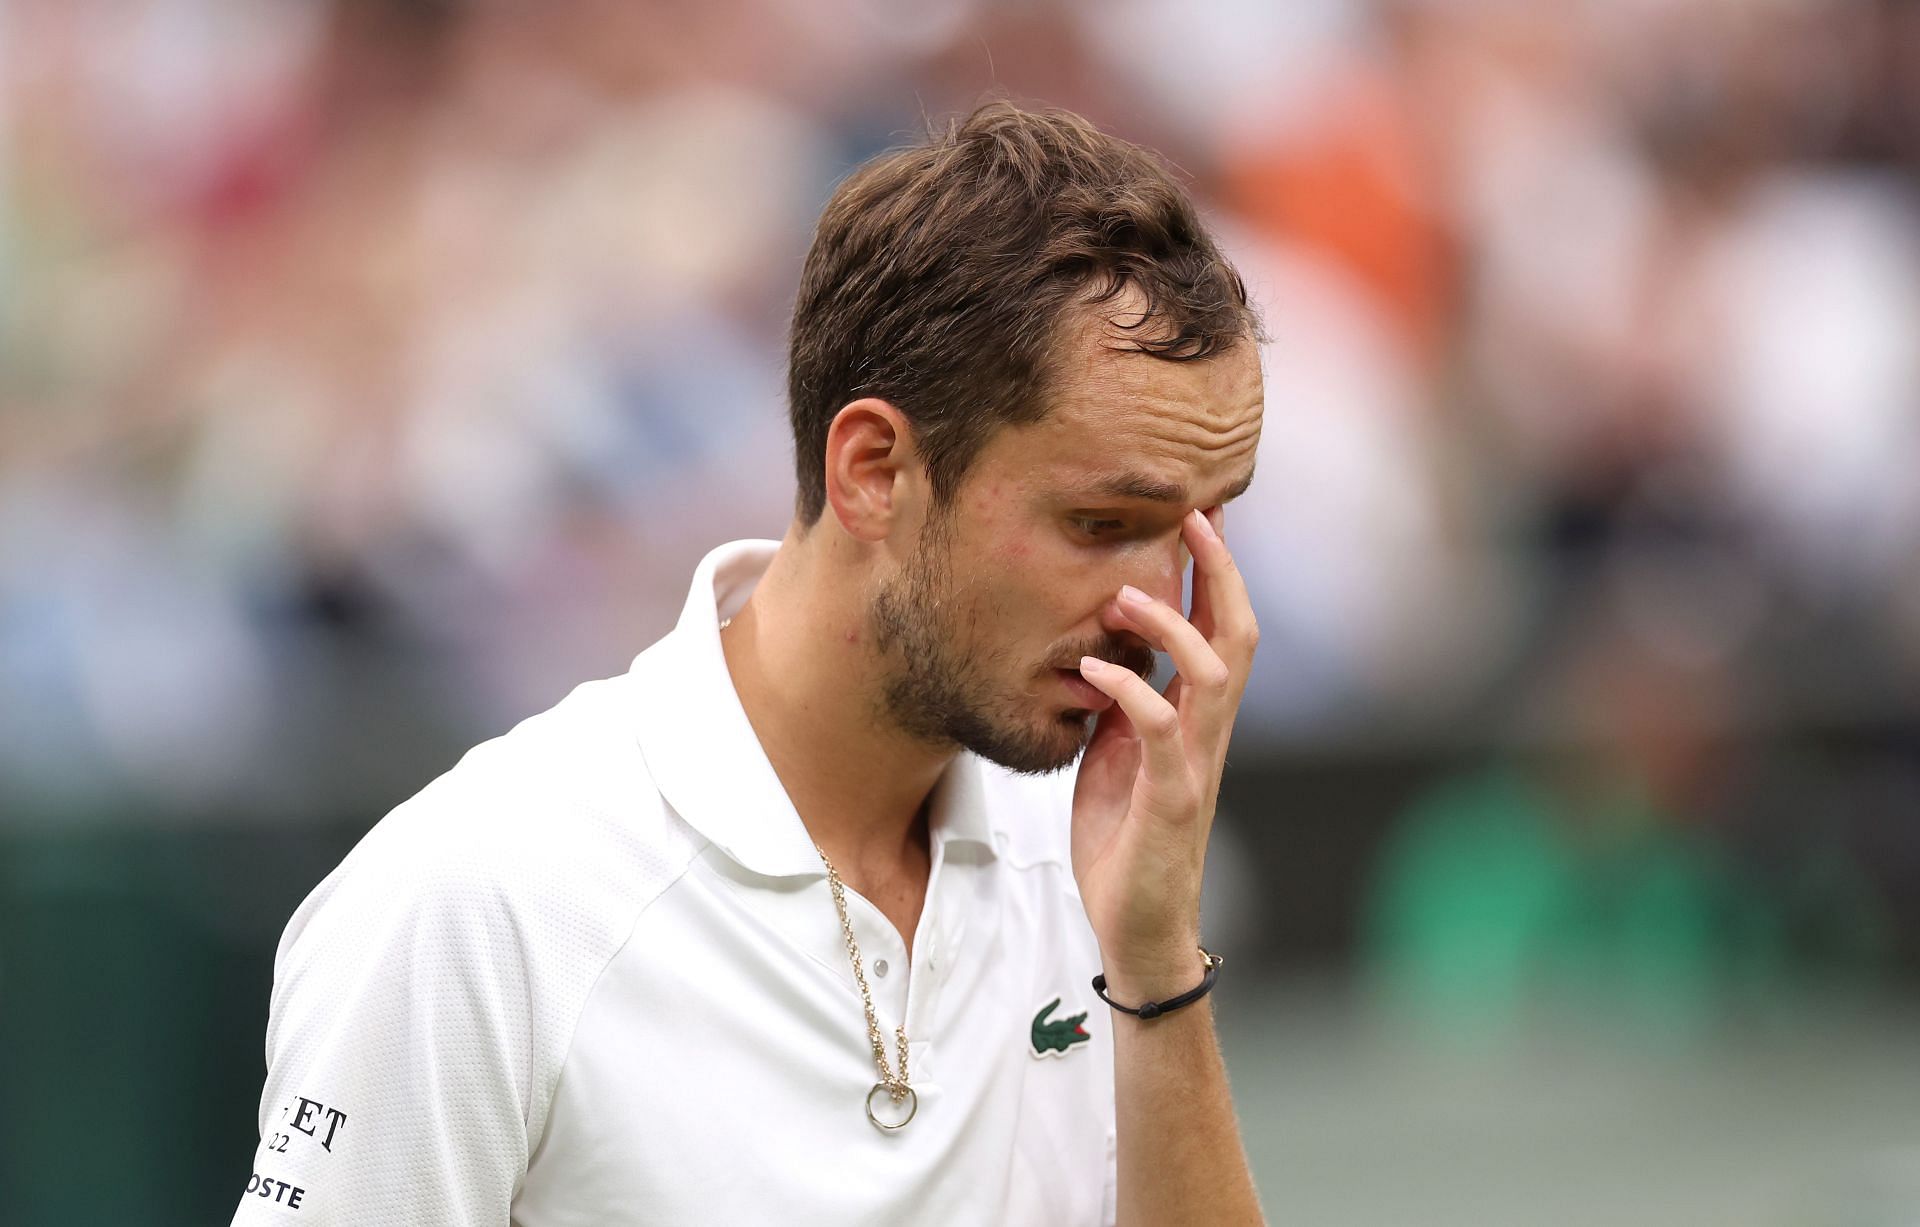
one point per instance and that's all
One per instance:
(879, 967)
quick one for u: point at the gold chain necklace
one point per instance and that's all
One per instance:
(897, 1088)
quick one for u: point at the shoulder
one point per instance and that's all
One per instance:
(476, 917)
(561, 805)
(533, 856)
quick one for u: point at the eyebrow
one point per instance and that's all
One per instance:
(1148, 489)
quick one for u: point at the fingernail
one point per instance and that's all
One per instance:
(1092, 664)
(1204, 524)
(1132, 595)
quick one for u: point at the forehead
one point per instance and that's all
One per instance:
(1114, 411)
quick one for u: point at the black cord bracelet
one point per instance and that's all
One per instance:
(1154, 1009)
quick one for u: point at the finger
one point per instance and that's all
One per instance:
(1113, 748)
(1114, 720)
(1163, 627)
(1204, 693)
(1221, 604)
(1152, 717)
(1199, 608)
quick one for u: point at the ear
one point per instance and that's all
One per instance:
(874, 478)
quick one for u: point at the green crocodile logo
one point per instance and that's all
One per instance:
(1054, 1038)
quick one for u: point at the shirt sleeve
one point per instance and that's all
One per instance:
(399, 1062)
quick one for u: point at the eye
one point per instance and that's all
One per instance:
(1094, 526)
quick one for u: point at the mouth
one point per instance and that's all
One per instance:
(1085, 695)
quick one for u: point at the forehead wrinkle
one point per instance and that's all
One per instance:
(1171, 437)
(1222, 440)
(1156, 473)
(1139, 408)
(1161, 430)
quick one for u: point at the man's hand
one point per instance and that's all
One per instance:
(1144, 803)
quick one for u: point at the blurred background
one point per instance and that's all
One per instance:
(372, 371)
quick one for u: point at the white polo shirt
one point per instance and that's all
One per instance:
(593, 975)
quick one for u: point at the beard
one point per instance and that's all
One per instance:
(940, 682)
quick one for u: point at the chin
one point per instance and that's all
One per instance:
(1040, 749)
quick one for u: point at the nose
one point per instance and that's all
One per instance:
(1159, 571)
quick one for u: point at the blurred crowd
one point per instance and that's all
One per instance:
(371, 371)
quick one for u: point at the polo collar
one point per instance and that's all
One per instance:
(706, 759)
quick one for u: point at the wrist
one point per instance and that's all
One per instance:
(1147, 1011)
(1155, 976)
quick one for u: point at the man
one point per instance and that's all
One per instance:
(796, 921)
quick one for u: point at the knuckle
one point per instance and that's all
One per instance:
(1163, 721)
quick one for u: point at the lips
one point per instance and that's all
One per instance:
(1085, 695)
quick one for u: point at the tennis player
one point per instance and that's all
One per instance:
(808, 917)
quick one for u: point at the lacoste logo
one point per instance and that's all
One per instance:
(1052, 1038)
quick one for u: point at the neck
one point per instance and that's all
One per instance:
(801, 659)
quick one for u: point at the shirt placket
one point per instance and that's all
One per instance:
(906, 986)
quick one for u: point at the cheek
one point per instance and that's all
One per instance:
(1078, 588)
(1097, 574)
(1033, 590)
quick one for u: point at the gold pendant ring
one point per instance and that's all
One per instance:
(880, 1088)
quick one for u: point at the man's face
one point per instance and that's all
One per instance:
(983, 630)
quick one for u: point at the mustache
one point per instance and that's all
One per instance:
(1127, 653)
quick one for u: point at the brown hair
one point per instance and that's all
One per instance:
(940, 276)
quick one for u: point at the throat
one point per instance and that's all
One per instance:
(902, 907)
(898, 888)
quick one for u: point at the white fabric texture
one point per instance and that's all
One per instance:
(593, 975)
